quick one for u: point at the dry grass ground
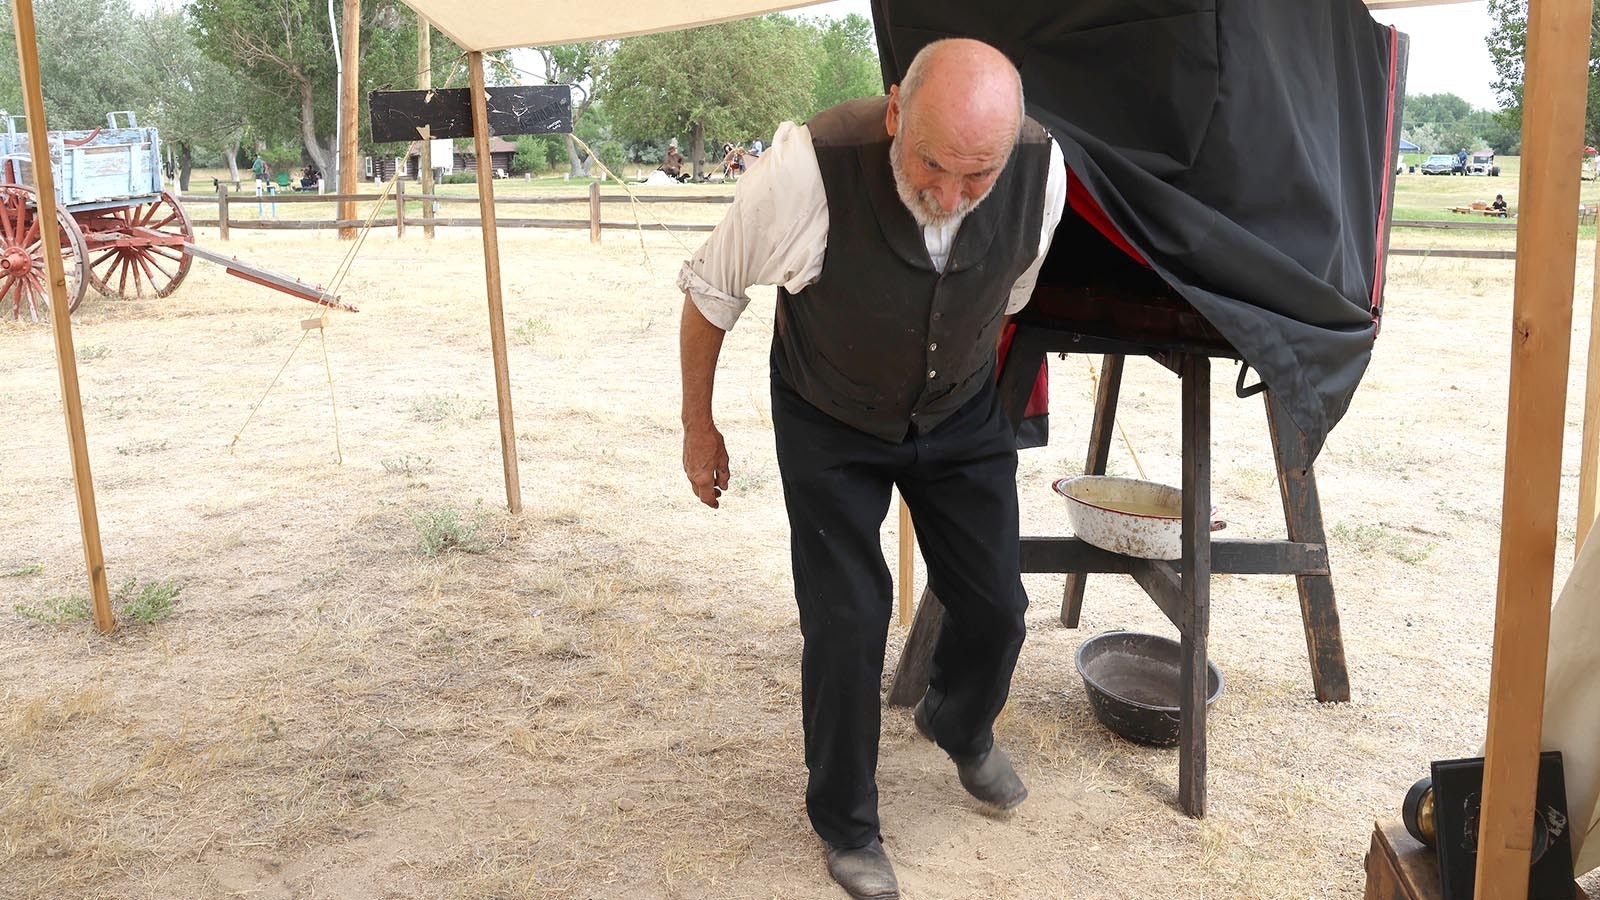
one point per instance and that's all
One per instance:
(599, 698)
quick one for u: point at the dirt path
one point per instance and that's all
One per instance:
(603, 701)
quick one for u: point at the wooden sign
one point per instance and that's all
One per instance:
(519, 109)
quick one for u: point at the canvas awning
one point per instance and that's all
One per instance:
(502, 24)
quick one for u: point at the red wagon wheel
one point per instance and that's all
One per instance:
(137, 251)
(24, 283)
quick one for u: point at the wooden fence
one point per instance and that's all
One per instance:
(224, 199)
(1449, 225)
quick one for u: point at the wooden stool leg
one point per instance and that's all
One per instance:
(1105, 415)
(916, 659)
(1302, 512)
(1196, 571)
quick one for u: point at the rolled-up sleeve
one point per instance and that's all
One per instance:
(775, 232)
(1055, 203)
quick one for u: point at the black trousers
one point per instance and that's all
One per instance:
(959, 480)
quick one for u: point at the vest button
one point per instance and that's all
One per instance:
(937, 316)
(933, 346)
(932, 374)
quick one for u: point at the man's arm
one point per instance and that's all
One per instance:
(775, 232)
(705, 456)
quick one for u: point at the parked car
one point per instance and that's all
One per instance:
(1482, 164)
(1440, 164)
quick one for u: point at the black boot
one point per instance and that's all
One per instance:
(864, 872)
(988, 776)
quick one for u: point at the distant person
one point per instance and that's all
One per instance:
(1461, 160)
(756, 147)
(1499, 206)
(733, 164)
(672, 163)
(259, 168)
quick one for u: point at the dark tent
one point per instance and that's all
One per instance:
(1242, 148)
(1408, 147)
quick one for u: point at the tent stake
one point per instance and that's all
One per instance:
(491, 266)
(60, 316)
(908, 549)
(1541, 338)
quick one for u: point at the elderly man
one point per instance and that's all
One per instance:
(900, 231)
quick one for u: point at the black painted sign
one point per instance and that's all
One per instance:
(522, 109)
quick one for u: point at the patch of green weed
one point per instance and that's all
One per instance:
(56, 610)
(445, 528)
(146, 603)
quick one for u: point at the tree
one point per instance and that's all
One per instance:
(846, 61)
(196, 103)
(1436, 109)
(1508, 42)
(86, 62)
(284, 48)
(733, 79)
(583, 66)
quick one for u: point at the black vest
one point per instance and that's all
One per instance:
(882, 340)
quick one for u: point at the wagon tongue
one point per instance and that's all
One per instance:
(291, 286)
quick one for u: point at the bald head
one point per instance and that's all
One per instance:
(955, 119)
(966, 88)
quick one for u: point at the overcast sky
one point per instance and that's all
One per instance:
(1448, 54)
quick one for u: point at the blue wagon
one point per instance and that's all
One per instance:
(121, 229)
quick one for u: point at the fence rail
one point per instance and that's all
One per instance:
(1465, 225)
(224, 199)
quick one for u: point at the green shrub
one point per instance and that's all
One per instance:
(146, 603)
(56, 610)
(445, 528)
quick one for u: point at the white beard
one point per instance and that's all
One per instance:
(924, 206)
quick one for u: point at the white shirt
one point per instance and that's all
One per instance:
(776, 232)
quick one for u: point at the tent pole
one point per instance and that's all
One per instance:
(1589, 456)
(1554, 95)
(350, 129)
(491, 266)
(60, 316)
(425, 82)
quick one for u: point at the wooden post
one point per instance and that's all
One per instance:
(222, 209)
(60, 316)
(491, 266)
(425, 161)
(1554, 95)
(1194, 675)
(1589, 455)
(399, 205)
(908, 549)
(594, 212)
(350, 46)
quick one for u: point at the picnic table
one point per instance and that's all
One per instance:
(1500, 214)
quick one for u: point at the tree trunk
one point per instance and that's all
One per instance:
(185, 166)
(697, 148)
(232, 153)
(578, 166)
(308, 133)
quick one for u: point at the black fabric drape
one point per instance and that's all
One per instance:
(1240, 145)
